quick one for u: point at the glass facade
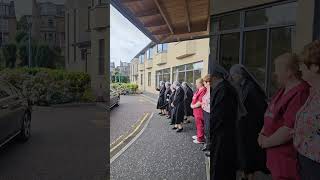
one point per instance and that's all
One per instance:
(254, 37)
(187, 73)
(162, 75)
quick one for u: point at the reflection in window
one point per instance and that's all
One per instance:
(229, 51)
(162, 75)
(141, 58)
(187, 73)
(272, 16)
(230, 22)
(281, 41)
(255, 54)
(162, 48)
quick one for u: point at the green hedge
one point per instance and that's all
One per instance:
(47, 86)
(121, 87)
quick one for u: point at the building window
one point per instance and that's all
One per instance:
(162, 75)
(141, 79)
(89, 25)
(101, 57)
(162, 48)
(229, 51)
(150, 53)
(254, 37)
(141, 58)
(149, 78)
(74, 35)
(68, 37)
(188, 73)
(50, 23)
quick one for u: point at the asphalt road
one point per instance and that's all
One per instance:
(131, 110)
(66, 143)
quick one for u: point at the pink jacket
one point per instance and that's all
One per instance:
(197, 97)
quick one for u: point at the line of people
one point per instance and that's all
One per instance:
(249, 133)
(245, 131)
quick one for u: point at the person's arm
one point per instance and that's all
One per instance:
(284, 133)
(281, 136)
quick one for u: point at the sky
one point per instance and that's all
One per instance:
(126, 41)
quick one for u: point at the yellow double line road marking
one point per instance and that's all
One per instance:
(128, 136)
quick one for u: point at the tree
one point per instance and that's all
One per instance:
(10, 55)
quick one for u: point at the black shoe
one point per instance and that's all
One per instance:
(179, 130)
(169, 117)
(171, 123)
(160, 113)
(174, 128)
(207, 154)
(204, 148)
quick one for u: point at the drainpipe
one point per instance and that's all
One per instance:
(316, 20)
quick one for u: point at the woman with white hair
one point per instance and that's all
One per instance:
(178, 105)
(161, 99)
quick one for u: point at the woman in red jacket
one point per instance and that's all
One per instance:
(279, 119)
(197, 111)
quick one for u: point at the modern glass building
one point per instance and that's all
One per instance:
(255, 32)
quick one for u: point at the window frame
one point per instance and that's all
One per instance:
(242, 30)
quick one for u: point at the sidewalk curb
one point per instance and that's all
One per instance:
(132, 141)
(207, 161)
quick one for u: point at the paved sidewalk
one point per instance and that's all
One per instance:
(161, 153)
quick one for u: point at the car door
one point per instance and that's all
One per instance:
(5, 113)
(18, 107)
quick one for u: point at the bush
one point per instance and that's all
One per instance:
(47, 86)
(125, 87)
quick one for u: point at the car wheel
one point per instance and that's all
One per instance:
(26, 128)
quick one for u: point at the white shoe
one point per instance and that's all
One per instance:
(194, 137)
(197, 142)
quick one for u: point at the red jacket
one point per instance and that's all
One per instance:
(197, 97)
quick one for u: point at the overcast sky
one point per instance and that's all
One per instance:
(125, 39)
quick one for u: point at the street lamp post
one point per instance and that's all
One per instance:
(29, 41)
(2, 22)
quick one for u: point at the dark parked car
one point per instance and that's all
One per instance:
(114, 98)
(15, 114)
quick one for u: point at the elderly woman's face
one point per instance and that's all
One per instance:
(199, 85)
(281, 71)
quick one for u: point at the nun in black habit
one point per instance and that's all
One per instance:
(188, 94)
(161, 98)
(223, 116)
(178, 105)
(171, 109)
(167, 94)
(251, 157)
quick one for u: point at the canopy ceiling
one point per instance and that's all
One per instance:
(167, 20)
